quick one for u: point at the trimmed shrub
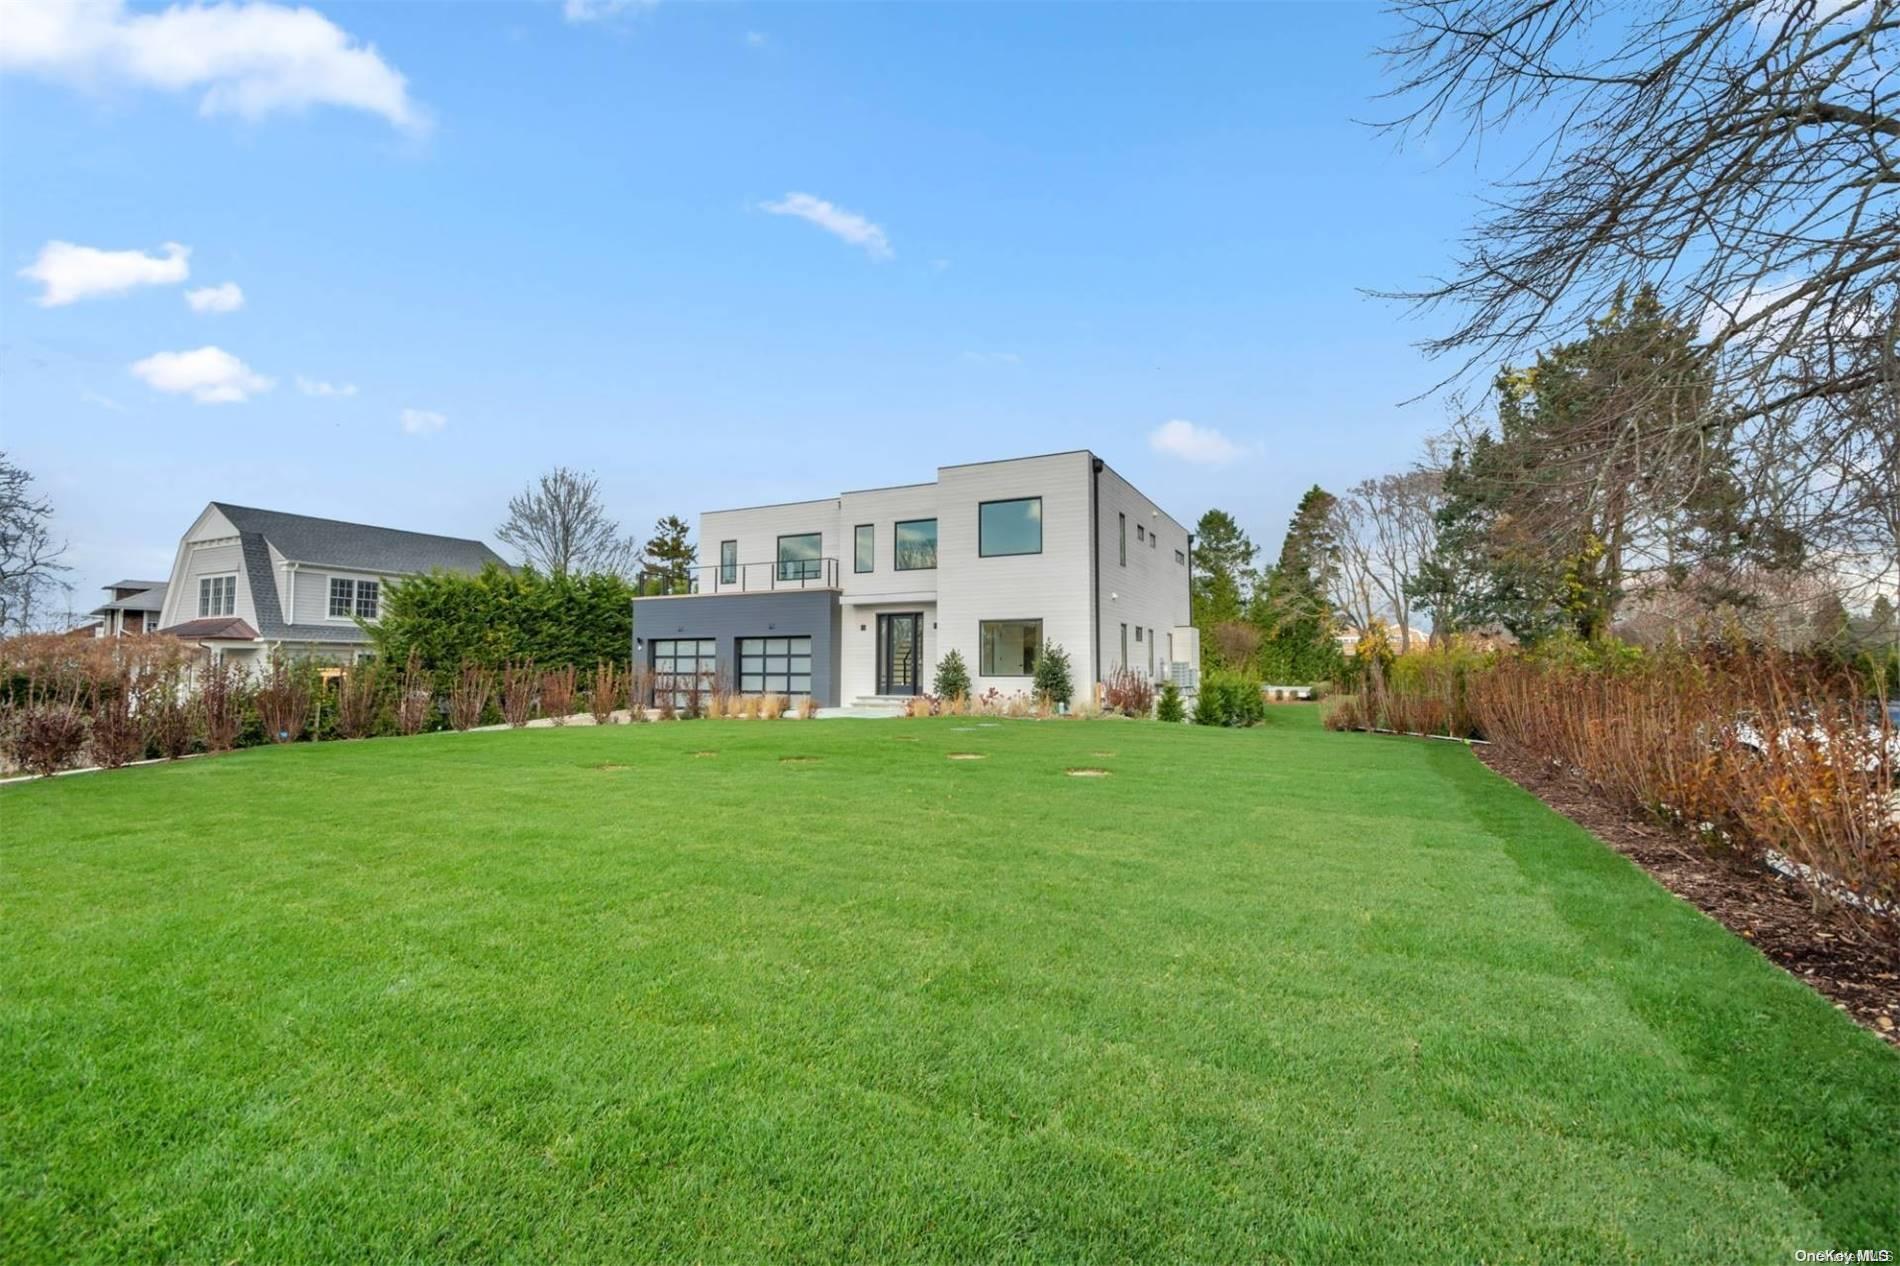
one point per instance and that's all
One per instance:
(953, 677)
(1052, 682)
(1229, 699)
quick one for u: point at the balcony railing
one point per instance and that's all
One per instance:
(800, 573)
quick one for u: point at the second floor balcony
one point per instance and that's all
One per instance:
(763, 577)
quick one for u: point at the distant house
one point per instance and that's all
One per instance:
(247, 581)
(132, 606)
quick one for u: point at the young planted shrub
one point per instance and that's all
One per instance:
(357, 701)
(693, 691)
(1229, 699)
(604, 696)
(953, 677)
(669, 709)
(1128, 693)
(283, 701)
(223, 695)
(517, 692)
(1169, 707)
(1052, 682)
(468, 697)
(807, 708)
(639, 691)
(557, 694)
(414, 695)
(772, 706)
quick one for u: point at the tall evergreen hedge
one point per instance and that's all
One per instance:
(452, 619)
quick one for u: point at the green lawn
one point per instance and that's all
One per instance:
(664, 992)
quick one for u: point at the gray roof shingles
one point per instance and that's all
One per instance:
(355, 546)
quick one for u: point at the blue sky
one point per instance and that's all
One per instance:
(549, 237)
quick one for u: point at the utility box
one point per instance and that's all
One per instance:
(1184, 657)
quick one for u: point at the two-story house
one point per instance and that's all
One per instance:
(248, 581)
(131, 606)
(860, 595)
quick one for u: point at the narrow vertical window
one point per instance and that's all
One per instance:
(1123, 537)
(728, 562)
(1124, 662)
(864, 548)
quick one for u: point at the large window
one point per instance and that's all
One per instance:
(353, 597)
(728, 562)
(678, 663)
(864, 548)
(916, 544)
(217, 595)
(1009, 527)
(1008, 647)
(775, 665)
(800, 557)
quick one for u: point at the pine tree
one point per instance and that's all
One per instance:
(670, 557)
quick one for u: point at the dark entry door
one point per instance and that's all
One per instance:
(900, 645)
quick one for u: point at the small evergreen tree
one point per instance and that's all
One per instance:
(953, 678)
(1052, 674)
(670, 558)
(1169, 708)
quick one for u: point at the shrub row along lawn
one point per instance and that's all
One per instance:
(746, 991)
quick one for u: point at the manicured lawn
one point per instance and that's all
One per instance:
(661, 992)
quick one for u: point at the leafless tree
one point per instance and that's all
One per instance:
(1386, 529)
(560, 524)
(30, 566)
(1741, 157)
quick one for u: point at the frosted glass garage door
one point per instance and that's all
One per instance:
(775, 665)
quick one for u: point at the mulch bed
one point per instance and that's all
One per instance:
(1825, 947)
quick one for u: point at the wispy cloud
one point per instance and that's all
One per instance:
(993, 358)
(755, 39)
(70, 273)
(250, 60)
(88, 396)
(209, 375)
(320, 388)
(601, 10)
(1202, 445)
(227, 297)
(847, 226)
(422, 421)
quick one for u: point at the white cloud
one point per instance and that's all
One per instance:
(92, 397)
(422, 421)
(228, 297)
(71, 273)
(248, 59)
(1202, 445)
(993, 358)
(848, 226)
(209, 375)
(755, 39)
(317, 387)
(601, 10)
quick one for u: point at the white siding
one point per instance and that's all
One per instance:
(209, 548)
(1149, 591)
(1052, 586)
(757, 531)
(857, 643)
(883, 509)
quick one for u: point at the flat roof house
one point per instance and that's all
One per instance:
(246, 581)
(858, 596)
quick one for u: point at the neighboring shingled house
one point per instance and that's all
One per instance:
(246, 581)
(133, 606)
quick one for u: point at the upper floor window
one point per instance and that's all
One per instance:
(353, 598)
(217, 595)
(1121, 521)
(1009, 527)
(1179, 557)
(728, 562)
(1141, 533)
(864, 548)
(1154, 538)
(916, 544)
(800, 557)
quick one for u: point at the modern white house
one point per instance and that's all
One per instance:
(247, 581)
(858, 596)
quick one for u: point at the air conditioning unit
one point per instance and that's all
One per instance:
(1184, 657)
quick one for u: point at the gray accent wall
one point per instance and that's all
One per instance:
(727, 617)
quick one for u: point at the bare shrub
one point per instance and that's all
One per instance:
(283, 700)
(669, 710)
(772, 706)
(1236, 642)
(517, 692)
(693, 690)
(45, 738)
(468, 697)
(807, 707)
(604, 696)
(165, 709)
(414, 693)
(1129, 693)
(223, 693)
(639, 691)
(557, 694)
(116, 737)
(357, 700)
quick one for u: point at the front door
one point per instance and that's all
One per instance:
(900, 645)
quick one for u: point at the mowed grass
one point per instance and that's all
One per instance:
(749, 991)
